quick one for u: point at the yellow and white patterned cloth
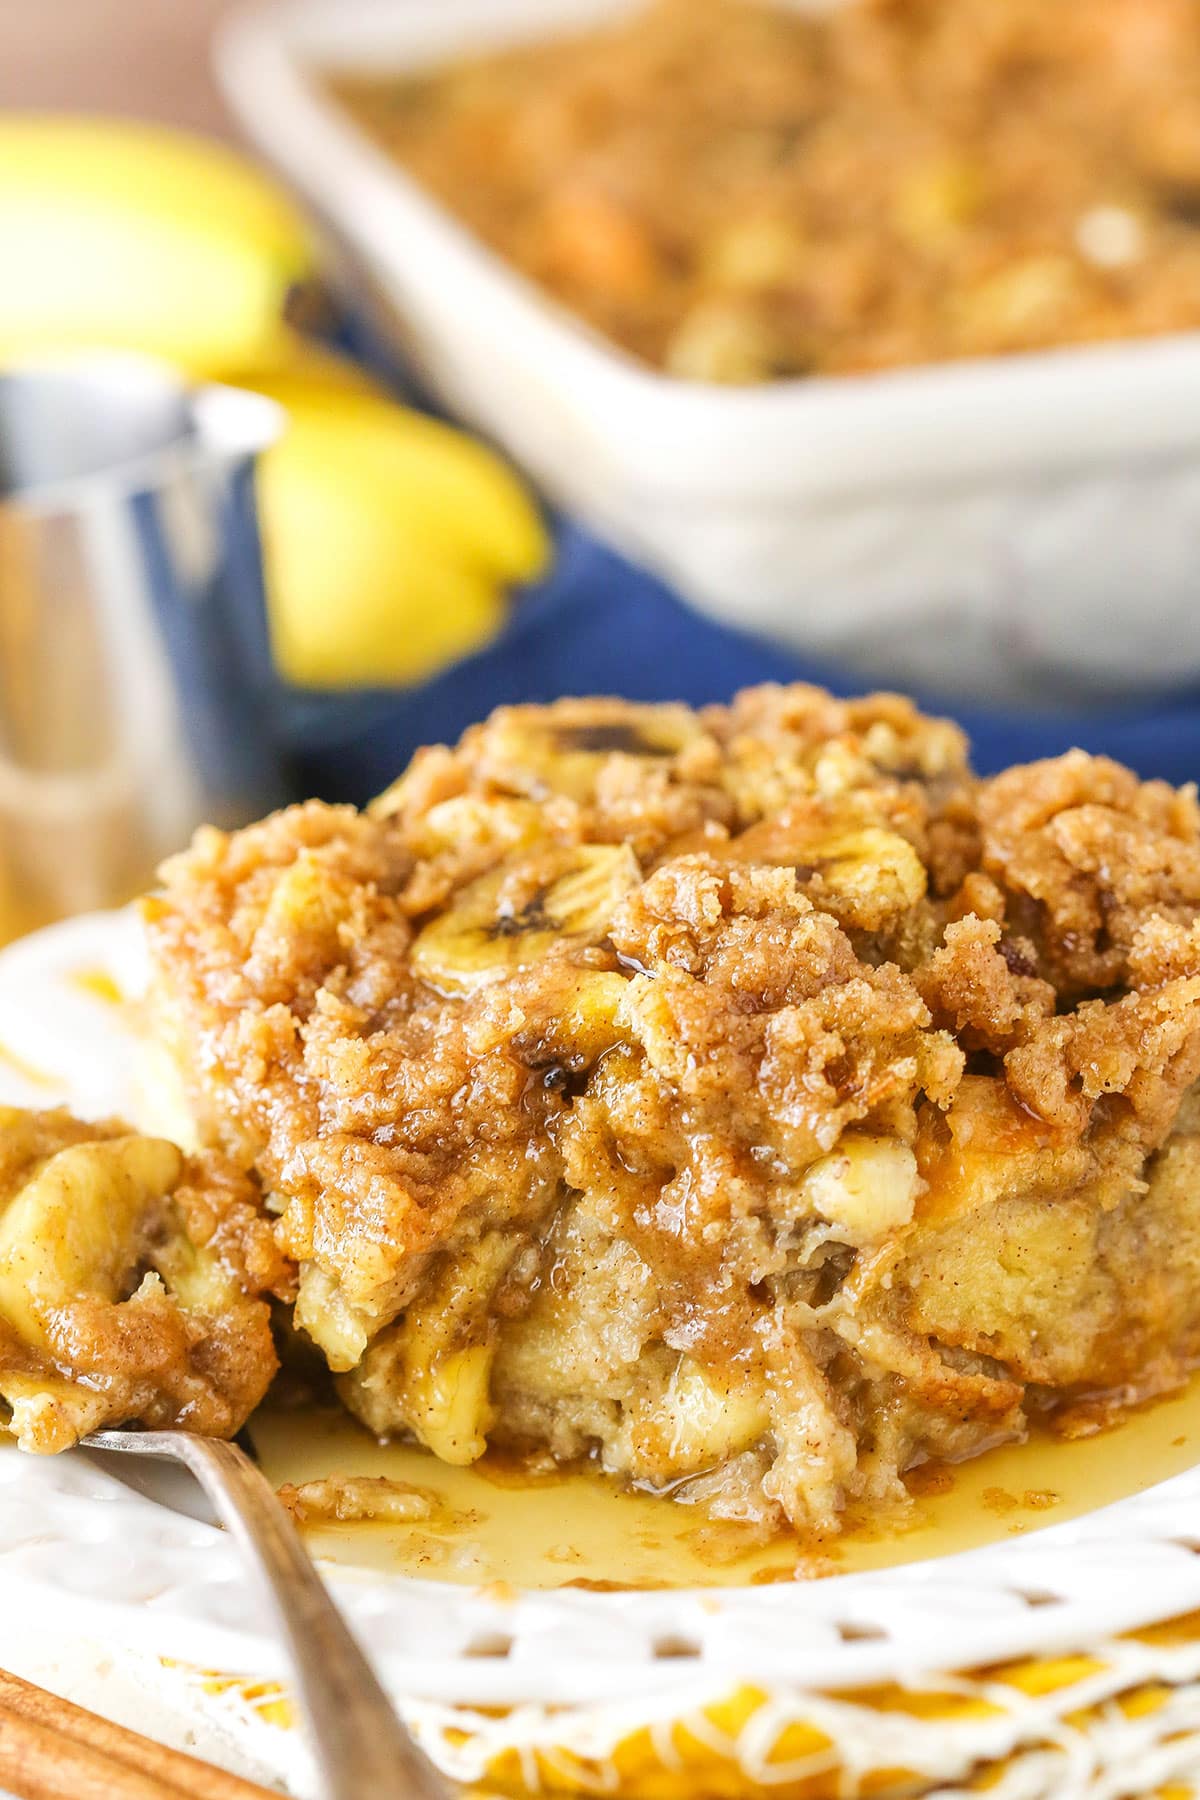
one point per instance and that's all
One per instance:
(1118, 1722)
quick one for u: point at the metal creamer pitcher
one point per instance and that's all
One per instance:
(135, 670)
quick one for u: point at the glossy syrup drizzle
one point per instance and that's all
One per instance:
(497, 1524)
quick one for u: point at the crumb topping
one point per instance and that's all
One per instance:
(722, 1018)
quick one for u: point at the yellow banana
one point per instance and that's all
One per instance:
(135, 236)
(388, 537)
(464, 498)
(296, 368)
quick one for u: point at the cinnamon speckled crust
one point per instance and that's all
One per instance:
(751, 1089)
(1087, 854)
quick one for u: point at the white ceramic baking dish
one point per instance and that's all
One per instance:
(1017, 528)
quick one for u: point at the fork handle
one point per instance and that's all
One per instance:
(362, 1750)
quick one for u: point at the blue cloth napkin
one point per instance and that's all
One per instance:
(597, 624)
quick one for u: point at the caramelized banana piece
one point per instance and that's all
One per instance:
(866, 1188)
(467, 822)
(523, 756)
(868, 877)
(125, 1290)
(585, 1020)
(510, 918)
(542, 750)
(75, 1226)
(864, 874)
(497, 821)
(430, 1373)
(702, 1419)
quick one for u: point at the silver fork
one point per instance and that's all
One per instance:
(361, 1748)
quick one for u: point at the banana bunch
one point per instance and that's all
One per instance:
(390, 540)
(137, 237)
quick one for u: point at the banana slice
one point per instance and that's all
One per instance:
(467, 822)
(864, 875)
(868, 877)
(510, 918)
(430, 1373)
(73, 1226)
(561, 749)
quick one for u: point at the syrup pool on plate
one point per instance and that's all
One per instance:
(495, 1525)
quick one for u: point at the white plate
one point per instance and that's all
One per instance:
(980, 525)
(78, 1548)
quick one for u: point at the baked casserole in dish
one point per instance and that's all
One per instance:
(743, 190)
(985, 221)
